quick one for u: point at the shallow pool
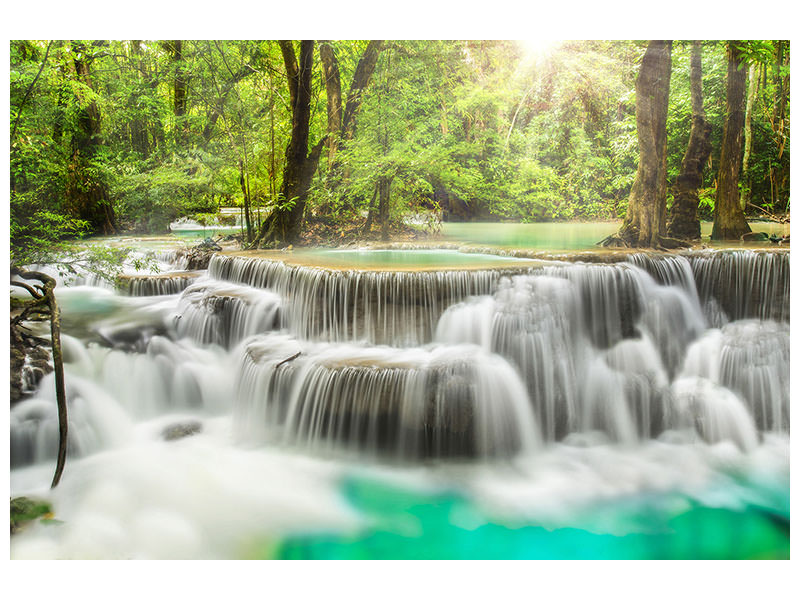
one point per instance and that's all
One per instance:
(564, 236)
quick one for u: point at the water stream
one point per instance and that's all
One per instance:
(500, 409)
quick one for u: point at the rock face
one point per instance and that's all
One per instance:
(30, 361)
(198, 257)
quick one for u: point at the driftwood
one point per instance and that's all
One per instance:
(43, 304)
(769, 215)
(286, 360)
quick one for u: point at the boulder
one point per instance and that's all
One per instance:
(177, 431)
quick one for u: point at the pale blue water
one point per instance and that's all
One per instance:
(365, 258)
(564, 236)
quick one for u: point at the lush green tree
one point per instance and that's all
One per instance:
(134, 134)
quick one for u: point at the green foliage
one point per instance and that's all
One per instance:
(37, 234)
(467, 129)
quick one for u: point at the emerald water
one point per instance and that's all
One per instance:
(403, 259)
(452, 406)
(563, 236)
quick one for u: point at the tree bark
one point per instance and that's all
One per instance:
(138, 127)
(283, 224)
(87, 196)
(246, 201)
(361, 78)
(342, 123)
(684, 223)
(729, 220)
(384, 191)
(333, 89)
(645, 220)
(179, 88)
(752, 84)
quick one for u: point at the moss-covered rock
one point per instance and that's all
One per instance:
(25, 510)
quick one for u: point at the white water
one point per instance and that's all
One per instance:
(550, 391)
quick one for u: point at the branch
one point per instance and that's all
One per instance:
(770, 215)
(28, 288)
(290, 61)
(49, 298)
(286, 360)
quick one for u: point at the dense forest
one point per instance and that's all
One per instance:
(322, 141)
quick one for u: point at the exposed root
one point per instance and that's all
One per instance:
(665, 244)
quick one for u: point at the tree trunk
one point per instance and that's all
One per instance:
(342, 124)
(246, 201)
(87, 197)
(361, 78)
(645, 222)
(179, 87)
(384, 191)
(684, 223)
(333, 89)
(371, 211)
(729, 221)
(138, 127)
(752, 84)
(283, 224)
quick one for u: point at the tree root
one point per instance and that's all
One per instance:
(665, 244)
(44, 301)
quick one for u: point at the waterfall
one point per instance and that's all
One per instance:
(750, 358)
(379, 307)
(742, 284)
(225, 314)
(156, 285)
(444, 402)
(216, 412)
(598, 345)
(414, 365)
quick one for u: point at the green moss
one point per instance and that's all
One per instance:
(24, 510)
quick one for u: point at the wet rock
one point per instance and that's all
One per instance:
(132, 337)
(198, 257)
(178, 431)
(30, 362)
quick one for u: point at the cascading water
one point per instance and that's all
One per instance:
(383, 307)
(449, 401)
(260, 369)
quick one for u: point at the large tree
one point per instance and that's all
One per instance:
(283, 223)
(87, 192)
(645, 220)
(342, 119)
(729, 221)
(342, 124)
(683, 222)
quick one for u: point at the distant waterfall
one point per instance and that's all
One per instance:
(155, 285)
